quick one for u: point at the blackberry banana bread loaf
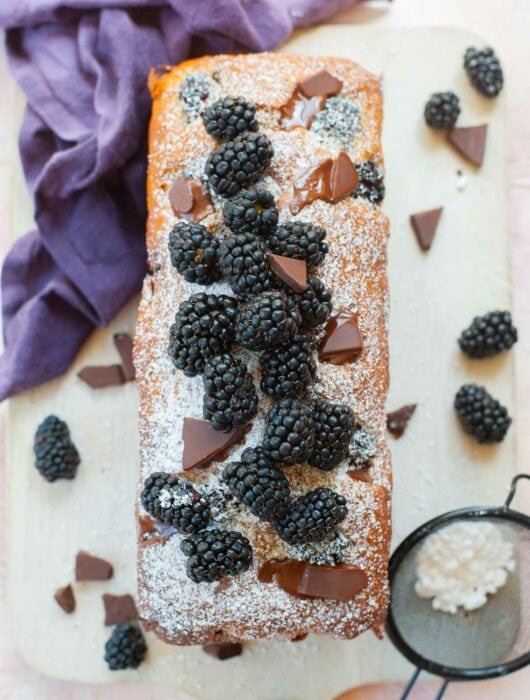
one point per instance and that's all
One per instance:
(261, 353)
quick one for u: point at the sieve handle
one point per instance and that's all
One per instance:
(513, 488)
(412, 683)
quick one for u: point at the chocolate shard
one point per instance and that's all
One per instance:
(203, 444)
(344, 177)
(322, 83)
(99, 377)
(189, 199)
(180, 196)
(425, 224)
(360, 475)
(470, 142)
(65, 598)
(124, 346)
(119, 608)
(292, 272)
(300, 110)
(397, 421)
(342, 341)
(91, 568)
(329, 180)
(224, 651)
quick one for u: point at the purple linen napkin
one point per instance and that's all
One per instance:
(82, 65)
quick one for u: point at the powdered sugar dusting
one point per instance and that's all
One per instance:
(355, 272)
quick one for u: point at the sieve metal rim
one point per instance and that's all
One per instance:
(451, 672)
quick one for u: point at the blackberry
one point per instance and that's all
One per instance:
(299, 240)
(228, 117)
(488, 335)
(333, 425)
(257, 483)
(56, 456)
(481, 415)
(442, 110)
(314, 303)
(287, 369)
(312, 517)
(289, 432)
(174, 501)
(239, 163)
(484, 70)
(266, 320)
(244, 262)
(204, 327)
(126, 647)
(371, 182)
(230, 398)
(214, 554)
(252, 211)
(194, 253)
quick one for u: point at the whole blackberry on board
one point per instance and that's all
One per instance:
(266, 320)
(333, 425)
(257, 483)
(312, 517)
(314, 303)
(126, 647)
(442, 110)
(194, 252)
(204, 327)
(484, 70)
(299, 240)
(56, 456)
(488, 335)
(230, 398)
(481, 415)
(289, 432)
(237, 164)
(251, 211)
(214, 554)
(371, 182)
(230, 116)
(245, 264)
(174, 501)
(287, 369)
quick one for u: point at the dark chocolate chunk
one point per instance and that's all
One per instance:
(292, 272)
(322, 83)
(425, 224)
(103, 376)
(190, 199)
(224, 651)
(397, 420)
(360, 475)
(180, 196)
(203, 444)
(470, 142)
(119, 608)
(329, 180)
(300, 110)
(65, 598)
(90, 568)
(124, 345)
(342, 341)
(344, 177)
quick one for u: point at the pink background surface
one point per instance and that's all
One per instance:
(506, 25)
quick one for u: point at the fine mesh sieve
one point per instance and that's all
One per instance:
(491, 641)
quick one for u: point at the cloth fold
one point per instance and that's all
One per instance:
(82, 65)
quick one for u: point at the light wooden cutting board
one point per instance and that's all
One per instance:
(436, 468)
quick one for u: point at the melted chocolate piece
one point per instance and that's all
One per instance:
(343, 341)
(124, 345)
(360, 475)
(305, 580)
(90, 568)
(65, 598)
(470, 142)
(344, 177)
(292, 272)
(119, 608)
(223, 651)
(397, 421)
(425, 224)
(300, 110)
(322, 83)
(329, 180)
(190, 199)
(102, 376)
(203, 444)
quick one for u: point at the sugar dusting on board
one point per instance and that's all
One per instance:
(355, 272)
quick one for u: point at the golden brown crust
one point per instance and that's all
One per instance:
(355, 271)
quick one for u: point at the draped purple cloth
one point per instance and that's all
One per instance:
(82, 65)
